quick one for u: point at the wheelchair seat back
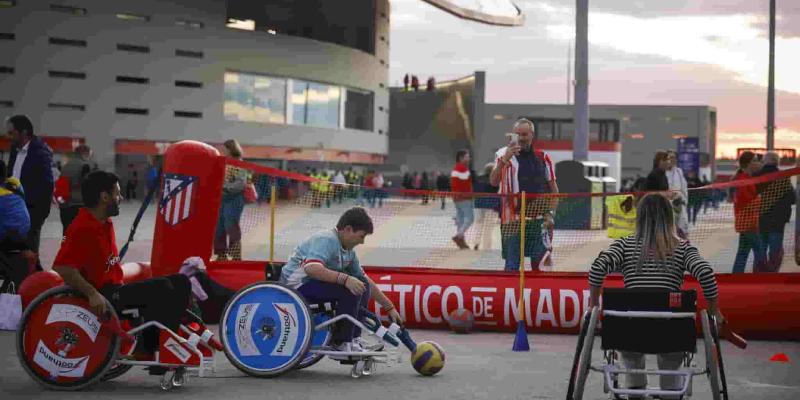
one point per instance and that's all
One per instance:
(649, 321)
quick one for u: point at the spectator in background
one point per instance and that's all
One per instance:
(461, 182)
(153, 177)
(74, 171)
(339, 186)
(414, 83)
(442, 185)
(680, 196)
(30, 162)
(429, 85)
(777, 197)
(379, 183)
(405, 83)
(519, 167)
(485, 205)
(228, 236)
(696, 196)
(746, 208)
(657, 179)
(425, 184)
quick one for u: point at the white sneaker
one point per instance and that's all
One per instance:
(366, 346)
(346, 347)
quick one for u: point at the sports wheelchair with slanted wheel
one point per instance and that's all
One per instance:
(63, 345)
(268, 329)
(649, 322)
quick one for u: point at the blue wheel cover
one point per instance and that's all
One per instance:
(266, 328)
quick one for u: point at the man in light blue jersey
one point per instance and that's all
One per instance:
(325, 268)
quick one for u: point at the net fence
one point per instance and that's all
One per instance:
(746, 225)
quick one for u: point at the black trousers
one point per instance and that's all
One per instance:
(67, 214)
(163, 299)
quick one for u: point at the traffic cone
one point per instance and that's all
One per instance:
(521, 338)
(779, 357)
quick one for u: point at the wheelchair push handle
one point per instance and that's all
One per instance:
(726, 333)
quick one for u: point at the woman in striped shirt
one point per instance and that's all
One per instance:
(655, 258)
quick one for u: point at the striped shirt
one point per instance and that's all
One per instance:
(623, 256)
(509, 182)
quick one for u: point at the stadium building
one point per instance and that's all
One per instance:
(428, 127)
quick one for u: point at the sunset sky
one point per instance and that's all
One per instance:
(677, 52)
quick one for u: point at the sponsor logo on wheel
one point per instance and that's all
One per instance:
(288, 329)
(243, 330)
(77, 315)
(57, 365)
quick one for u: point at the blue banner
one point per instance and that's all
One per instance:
(689, 155)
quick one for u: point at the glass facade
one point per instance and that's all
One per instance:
(358, 110)
(254, 98)
(259, 98)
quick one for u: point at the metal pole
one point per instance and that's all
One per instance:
(272, 221)
(569, 72)
(771, 87)
(580, 141)
(522, 214)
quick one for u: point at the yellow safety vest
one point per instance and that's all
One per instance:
(620, 223)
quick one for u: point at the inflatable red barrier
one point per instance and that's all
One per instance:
(758, 306)
(553, 302)
(188, 205)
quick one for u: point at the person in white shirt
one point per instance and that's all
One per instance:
(338, 186)
(677, 184)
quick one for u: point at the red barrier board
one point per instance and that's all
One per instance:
(757, 306)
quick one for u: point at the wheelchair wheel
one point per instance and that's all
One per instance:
(320, 338)
(116, 371)
(61, 344)
(712, 356)
(578, 347)
(723, 382)
(582, 370)
(266, 329)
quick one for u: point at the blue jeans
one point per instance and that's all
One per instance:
(465, 216)
(346, 303)
(773, 247)
(535, 246)
(749, 241)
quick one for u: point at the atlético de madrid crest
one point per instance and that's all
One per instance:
(177, 198)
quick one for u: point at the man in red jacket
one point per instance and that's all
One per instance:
(461, 182)
(746, 209)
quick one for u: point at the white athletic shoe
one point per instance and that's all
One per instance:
(346, 347)
(364, 344)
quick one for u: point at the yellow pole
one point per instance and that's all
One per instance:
(272, 222)
(522, 255)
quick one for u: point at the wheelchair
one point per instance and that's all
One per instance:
(63, 345)
(268, 329)
(649, 322)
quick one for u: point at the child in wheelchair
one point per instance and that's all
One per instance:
(654, 258)
(88, 261)
(324, 268)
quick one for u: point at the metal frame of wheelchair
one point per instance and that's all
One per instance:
(251, 341)
(74, 332)
(611, 369)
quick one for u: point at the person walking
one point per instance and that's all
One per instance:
(461, 185)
